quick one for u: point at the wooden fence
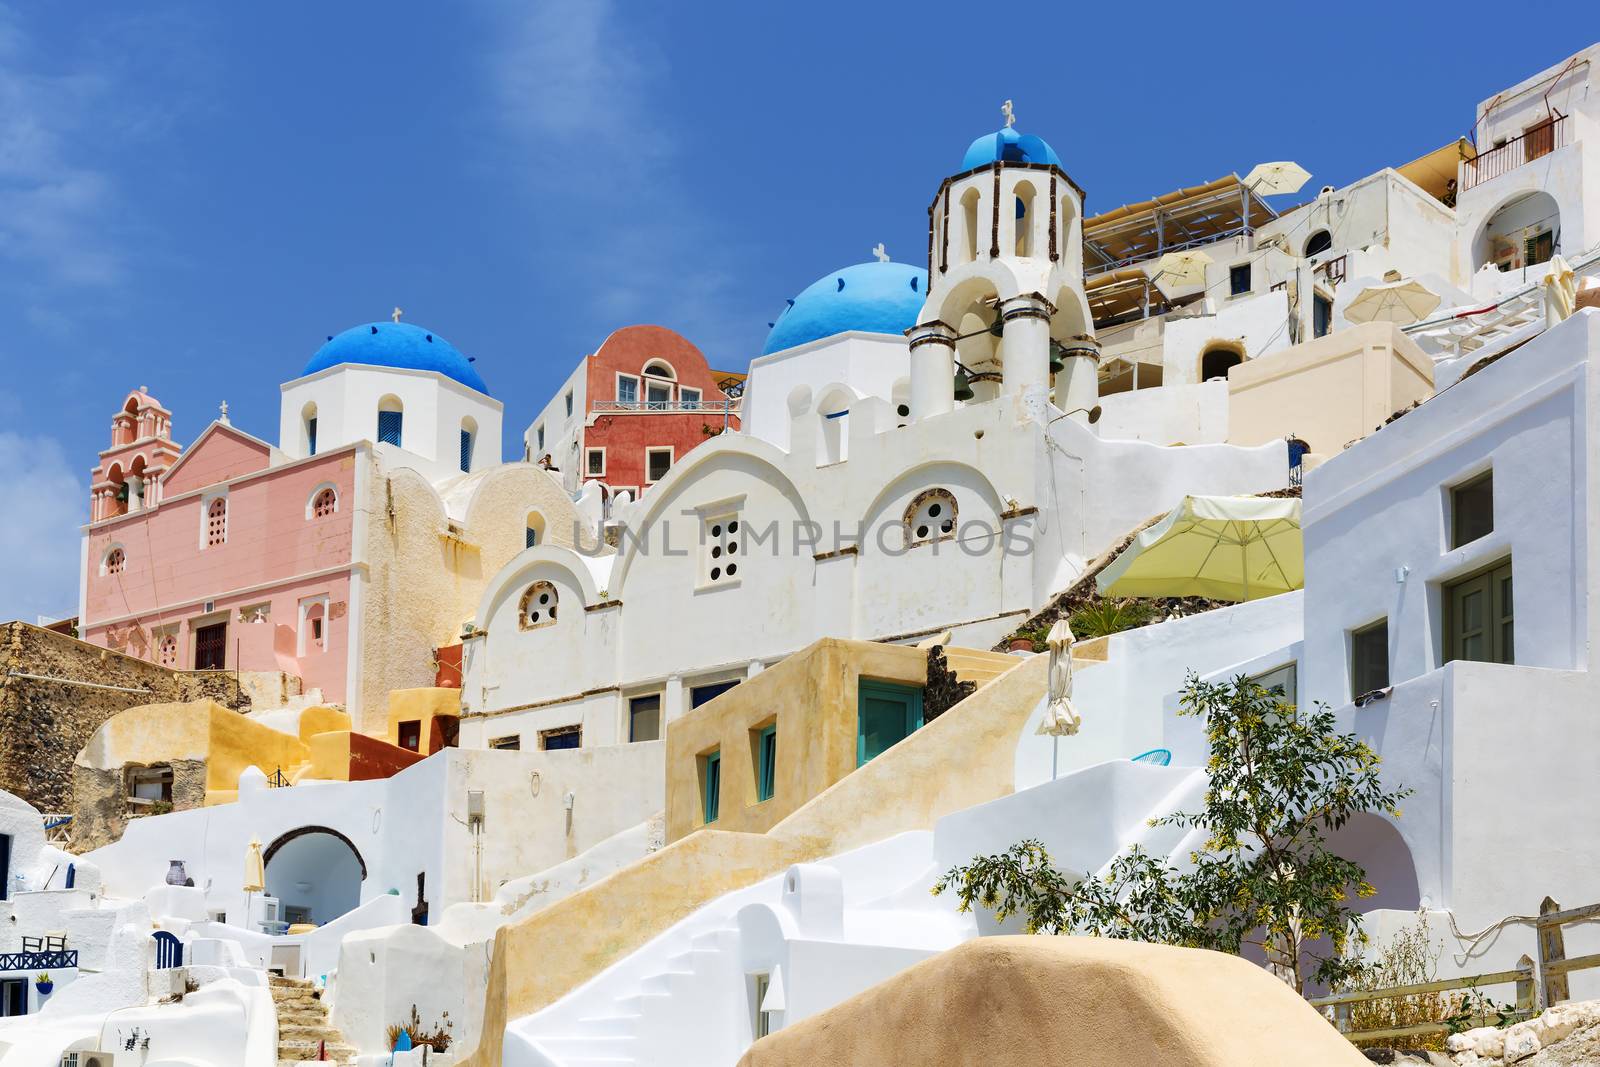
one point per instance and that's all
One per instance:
(1541, 980)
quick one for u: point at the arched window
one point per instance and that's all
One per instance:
(1024, 219)
(469, 433)
(308, 420)
(217, 522)
(538, 606)
(535, 529)
(931, 516)
(1320, 241)
(660, 369)
(1216, 363)
(325, 503)
(391, 414)
(114, 561)
(969, 223)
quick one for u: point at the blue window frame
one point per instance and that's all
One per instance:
(533, 537)
(389, 427)
(466, 450)
(711, 784)
(885, 713)
(311, 436)
(766, 762)
(627, 390)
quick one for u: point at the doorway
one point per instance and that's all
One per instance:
(5, 866)
(211, 647)
(885, 713)
(13, 997)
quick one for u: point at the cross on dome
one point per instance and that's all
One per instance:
(883, 257)
(395, 314)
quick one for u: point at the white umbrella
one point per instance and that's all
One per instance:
(1401, 303)
(1275, 179)
(1560, 292)
(1177, 271)
(1061, 719)
(255, 880)
(1223, 547)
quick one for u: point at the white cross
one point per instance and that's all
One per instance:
(395, 314)
(1011, 116)
(224, 419)
(883, 257)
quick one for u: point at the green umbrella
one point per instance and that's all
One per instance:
(1220, 547)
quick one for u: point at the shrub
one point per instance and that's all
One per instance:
(1101, 618)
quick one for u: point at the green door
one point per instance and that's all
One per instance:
(885, 713)
(1478, 620)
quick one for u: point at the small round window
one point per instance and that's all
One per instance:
(115, 560)
(931, 517)
(538, 606)
(325, 504)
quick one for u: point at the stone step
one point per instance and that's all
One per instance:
(307, 1050)
(320, 1031)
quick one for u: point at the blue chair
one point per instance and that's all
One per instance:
(1156, 757)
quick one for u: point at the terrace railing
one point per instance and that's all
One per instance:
(1537, 141)
(708, 407)
(38, 961)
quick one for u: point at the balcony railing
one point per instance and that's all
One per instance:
(38, 961)
(653, 407)
(1538, 141)
(1334, 270)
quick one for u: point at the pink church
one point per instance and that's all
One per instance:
(215, 558)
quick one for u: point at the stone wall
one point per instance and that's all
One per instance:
(43, 723)
(101, 809)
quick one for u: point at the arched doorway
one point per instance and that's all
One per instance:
(1216, 362)
(315, 873)
(1522, 232)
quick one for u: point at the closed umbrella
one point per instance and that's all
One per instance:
(1399, 302)
(1061, 719)
(255, 878)
(1221, 547)
(1560, 292)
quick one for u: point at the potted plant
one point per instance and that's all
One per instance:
(43, 984)
(1023, 641)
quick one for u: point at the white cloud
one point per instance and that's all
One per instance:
(39, 541)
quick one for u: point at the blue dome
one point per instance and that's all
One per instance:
(1008, 146)
(871, 297)
(397, 344)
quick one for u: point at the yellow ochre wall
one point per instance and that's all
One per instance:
(422, 705)
(1328, 392)
(812, 697)
(966, 756)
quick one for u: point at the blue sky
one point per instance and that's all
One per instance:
(194, 195)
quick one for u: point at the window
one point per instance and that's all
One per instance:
(1217, 362)
(568, 400)
(644, 718)
(704, 694)
(1280, 681)
(116, 559)
(1539, 248)
(531, 538)
(311, 436)
(1478, 616)
(534, 524)
(1369, 658)
(627, 389)
(167, 650)
(150, 785)
(595, 462)
(762, 1023)
(1321, 315)
(1320, 241)
(561, 737)
(1472, 510)
(539, 433)
(711, 785)
(409, 735)
(217, 522)
(390, 420)
(211, 647)
(766, 760)
(538, 606)
(509, 743)
(1239, 279)
(657, 395)
(466, 450)
(885, 713)
(689, 399)
(325, 503)
(659, 369)
(657, 461)
(719, 549)
(930, 517)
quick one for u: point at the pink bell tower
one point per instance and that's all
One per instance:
(128, 476)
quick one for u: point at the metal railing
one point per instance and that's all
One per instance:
(1335, 270)
(1537, 141)
(1541, 981)
(38, 961)
(1092, 269)
(718, 407)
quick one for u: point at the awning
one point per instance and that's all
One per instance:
(1194, 215)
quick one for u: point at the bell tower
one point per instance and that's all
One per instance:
(127, 478)
(1005, 302)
